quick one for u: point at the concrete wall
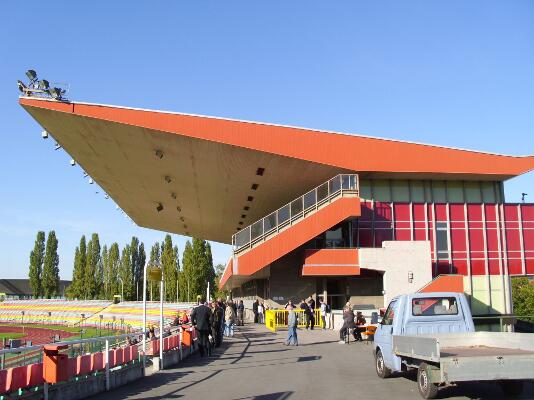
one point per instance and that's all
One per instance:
(396, 260)
(488, 294)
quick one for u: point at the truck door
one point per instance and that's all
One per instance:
(384, 334)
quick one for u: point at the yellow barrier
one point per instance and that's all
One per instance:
(275, 319)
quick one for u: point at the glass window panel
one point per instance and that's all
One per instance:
(381, 190)
(283, 214)
(439, 195)
(488, 192)
(472, 192)
(455, 191)
(322, 192)
(242, 237)
(270, 222)
(309, 199)
(335, 184)
(418, 191)
(256, 229)
(365, 189)
(296, 206)
(400, 190)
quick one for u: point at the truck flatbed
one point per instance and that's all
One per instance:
(481, 351)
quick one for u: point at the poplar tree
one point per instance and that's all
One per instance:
(106, 294)
(187, 286)
(210, 272)
(125, 273)
(91, 268)
(140, 270)
(170, 273)
(36, 264)
(50, 276)
(155, 258)
(113, 272)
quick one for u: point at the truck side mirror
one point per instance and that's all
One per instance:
(382, 312)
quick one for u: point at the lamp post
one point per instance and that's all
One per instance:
(22, 321)
(100, 325)
(122, 289)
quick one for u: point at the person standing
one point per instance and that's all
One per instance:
(360, 327)
(201, 320)
(216, 321)
(292, 322)
(240, 313)
(311, 317)
(348, 322)
(261, 311)
(323, 313)
(255, 310)
(229, 320)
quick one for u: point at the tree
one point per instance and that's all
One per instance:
(36, 264)
(76, 289)
(106, 294)
(155, 256)
(186, 285)
(50, 276)
(113, 270)
(170, 272)
(91, 268)
(219, 271)
(125, 274)
(523, 297)
(140, 270)
(210, 272)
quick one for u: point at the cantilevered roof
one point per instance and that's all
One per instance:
(206, 176)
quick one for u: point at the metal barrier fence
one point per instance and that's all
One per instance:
(275, 319)
(503, 320)
(295, 210)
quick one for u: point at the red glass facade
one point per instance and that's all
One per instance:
(466, 239)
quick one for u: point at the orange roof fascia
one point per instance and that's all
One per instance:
(351, 152)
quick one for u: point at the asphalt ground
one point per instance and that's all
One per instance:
(255, 364)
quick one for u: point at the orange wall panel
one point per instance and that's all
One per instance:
(326, 257)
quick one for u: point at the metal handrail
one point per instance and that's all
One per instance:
(295, 210)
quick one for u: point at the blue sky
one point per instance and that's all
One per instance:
(452, 73)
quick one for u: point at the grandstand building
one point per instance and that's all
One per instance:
(310, 213)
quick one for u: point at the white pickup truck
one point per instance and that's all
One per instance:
(434, 333)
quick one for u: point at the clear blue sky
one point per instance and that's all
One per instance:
(452, 73)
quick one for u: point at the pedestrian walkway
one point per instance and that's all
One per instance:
(255, 365)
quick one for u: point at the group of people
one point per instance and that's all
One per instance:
(352, 324)
(309, 318)
(215, 320)
(258, 309)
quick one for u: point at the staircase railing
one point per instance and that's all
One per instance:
(295, 210)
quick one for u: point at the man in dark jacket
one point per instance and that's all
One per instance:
(216, 321)
(255, 310)
(201, 320)
(304, 306)
(348, 323)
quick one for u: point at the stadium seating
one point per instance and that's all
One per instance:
(128, 314)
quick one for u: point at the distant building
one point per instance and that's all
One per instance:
(20, 288)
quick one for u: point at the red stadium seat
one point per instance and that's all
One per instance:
(83, 364)
(97, 361)
(166, 343)
(34, 375)
(119, 356)
(16, 378)
(135, 352)
(3, 381)
(73, 363)
(111, 358)
(127, 354)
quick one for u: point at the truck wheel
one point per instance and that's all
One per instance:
(427, 389)
(381, 370)
(512, 388)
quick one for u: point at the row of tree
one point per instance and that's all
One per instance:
(103, 272)
(44, 266)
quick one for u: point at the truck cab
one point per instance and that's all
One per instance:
(419, 314)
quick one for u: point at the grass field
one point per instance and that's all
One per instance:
(10, 335)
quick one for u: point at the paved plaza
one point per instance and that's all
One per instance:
(256, 365)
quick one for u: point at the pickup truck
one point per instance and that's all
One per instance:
(434, 334)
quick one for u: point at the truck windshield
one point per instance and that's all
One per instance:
(428, 306)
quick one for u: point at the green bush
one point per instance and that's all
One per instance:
(523, 298)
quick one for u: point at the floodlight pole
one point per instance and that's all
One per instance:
(122, 289)
(161, 321)
(144, 316)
